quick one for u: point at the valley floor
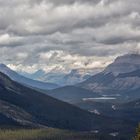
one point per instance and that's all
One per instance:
(49, 134)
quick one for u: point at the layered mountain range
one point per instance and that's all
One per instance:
(118, 79)
(22, 107)
(26, 81)
(62, 79)
(109, 97)
(114, 92)
(27, 107)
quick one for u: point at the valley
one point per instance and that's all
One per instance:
(88, 107)
(69, 69)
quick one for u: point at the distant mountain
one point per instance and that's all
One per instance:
(75, 76)
(124, 64)
(121, 78)
(105, 89)
(63, 79)
(26, 81)
(54, 77)
(27, 107)
(35, 76)
(24, 107)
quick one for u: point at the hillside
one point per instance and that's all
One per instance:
(71, 94)
(44, 110)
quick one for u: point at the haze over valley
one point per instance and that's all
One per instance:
(69, 69)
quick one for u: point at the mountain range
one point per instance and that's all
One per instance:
(62, 79)
(26, 81)
(28, 107)
(22, 107)
(120, 79)
(114, 92)
(108, 97)
(119, 82)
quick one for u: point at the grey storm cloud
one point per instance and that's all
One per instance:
(65, 34)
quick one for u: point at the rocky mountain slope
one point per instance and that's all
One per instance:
(118, 79)
(31, 108)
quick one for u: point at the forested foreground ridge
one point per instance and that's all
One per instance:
(53, 134)
(137, 137)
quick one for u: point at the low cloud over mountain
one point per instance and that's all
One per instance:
(67, 34)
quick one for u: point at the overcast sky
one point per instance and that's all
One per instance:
(67, 34)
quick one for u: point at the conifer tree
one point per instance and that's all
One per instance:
(137, 137)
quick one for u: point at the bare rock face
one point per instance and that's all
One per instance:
(124, 64)
(122, 74)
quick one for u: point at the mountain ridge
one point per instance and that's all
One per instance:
(45, 110)
(124, 77)
(60, 78)
(124, 64)
(26, 81)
